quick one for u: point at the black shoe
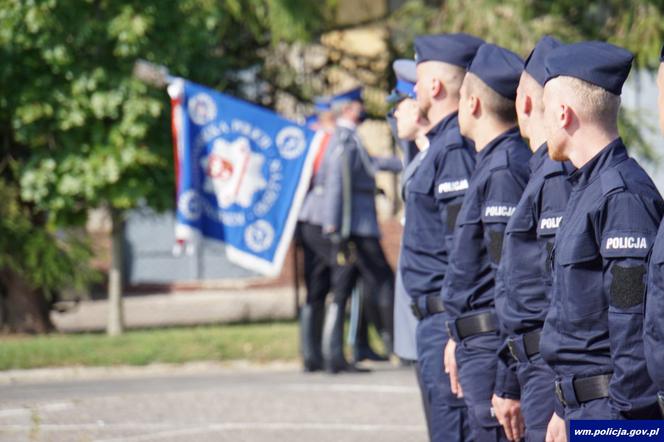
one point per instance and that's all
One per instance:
(367, 354)
(311, 368)
(345, 367)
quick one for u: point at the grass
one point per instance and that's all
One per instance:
(254, 342)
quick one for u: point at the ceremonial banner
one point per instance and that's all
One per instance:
(242, 173)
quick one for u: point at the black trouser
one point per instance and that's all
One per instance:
(363, 256)
(317, 274)
(317, 271)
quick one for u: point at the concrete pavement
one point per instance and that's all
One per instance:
(212, 402)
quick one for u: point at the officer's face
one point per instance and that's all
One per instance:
(354, 111)
(327, 121)
(660, 96)
(553, 127)
(407, 114)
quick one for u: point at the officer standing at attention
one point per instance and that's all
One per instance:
(523, 279)
(316, 247)
(409, 126)
(349, 218)
(486, 116)
(435, 183)
(593, 333)
(654, 324)
(405, 124)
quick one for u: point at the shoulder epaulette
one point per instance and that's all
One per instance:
(611, 180)
(499, 160)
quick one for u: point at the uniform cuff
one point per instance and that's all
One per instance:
(507, 384)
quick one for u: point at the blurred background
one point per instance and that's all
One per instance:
(86, 163)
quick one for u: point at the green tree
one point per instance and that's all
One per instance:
(78, 131)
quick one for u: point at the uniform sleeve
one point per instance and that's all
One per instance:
(502, 195)
(628, 226)
(653, 333)
(507, 385)
(388, 164)
(452, 178)
(333, 188)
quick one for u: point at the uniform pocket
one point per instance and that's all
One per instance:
(422, 181)
(581, 277)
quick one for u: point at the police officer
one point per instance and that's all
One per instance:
(523, 279)
(316, 247)
(409, 128)
(487, 116)
(406, 125)
(592, 336)
(349, 218)
(434, 185)
(654, 325)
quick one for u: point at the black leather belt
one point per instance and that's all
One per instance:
(531, 341)
(660, 401)
(586, 389)
(434, 305)
(477, 324)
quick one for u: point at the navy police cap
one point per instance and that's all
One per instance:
(596, 62)
(535, 61)
(499, 68)
(350, 95)
(405, 71)
(457, 49)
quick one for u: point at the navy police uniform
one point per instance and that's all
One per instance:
(494, 190)
(654, 325)
(523, 288)
(592, 336)
(350, 210)
(434, 185)
(405, 323)
(523, 279)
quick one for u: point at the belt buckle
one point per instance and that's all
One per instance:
(559, 393)
(512, 347)
(416, 311)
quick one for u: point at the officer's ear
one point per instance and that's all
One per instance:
(565, 116)
(474, 105)
(527, 105)
(437, 87)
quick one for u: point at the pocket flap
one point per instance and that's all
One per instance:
(522, 220)
(422, 180)
(577, 249)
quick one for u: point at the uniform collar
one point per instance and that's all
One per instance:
(497, 143)
(442, 126)
(614, 153)
(538, 158)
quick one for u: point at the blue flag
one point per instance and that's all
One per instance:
(242, 173)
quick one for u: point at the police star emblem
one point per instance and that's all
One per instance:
(233, 172)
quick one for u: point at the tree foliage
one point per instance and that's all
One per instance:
(78, 131)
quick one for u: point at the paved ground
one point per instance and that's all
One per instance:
(211, 403)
